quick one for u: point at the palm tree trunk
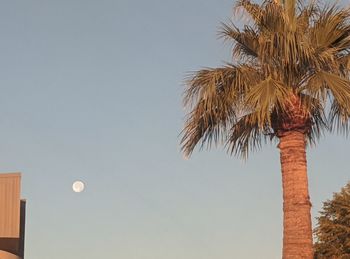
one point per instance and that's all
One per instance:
(297, 230)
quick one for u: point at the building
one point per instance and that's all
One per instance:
(12, 217)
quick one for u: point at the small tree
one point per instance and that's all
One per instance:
(333, 227)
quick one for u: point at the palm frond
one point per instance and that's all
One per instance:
(323, 84)
(254, 10)
(340, 89)
(315, 88)
(246, 135)
(305, 16)
(318, 120)
(274, 18)
(246, 41)
(214, 97)
(344, 65)
(330, 28)
(290, 7)
(265, 97)
(318, 126)
(339, 119)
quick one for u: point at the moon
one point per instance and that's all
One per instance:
(78, 186)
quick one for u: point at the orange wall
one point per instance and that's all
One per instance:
(10, 205)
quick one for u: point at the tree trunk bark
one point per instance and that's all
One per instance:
(297, 230)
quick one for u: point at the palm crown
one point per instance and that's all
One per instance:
(290, 72)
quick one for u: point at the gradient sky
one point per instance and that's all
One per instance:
(91, 90)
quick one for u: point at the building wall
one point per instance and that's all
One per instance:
(12, 217)
(10, 188)
(10, 245)
(6, 255)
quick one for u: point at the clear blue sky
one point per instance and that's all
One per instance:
(91, 90)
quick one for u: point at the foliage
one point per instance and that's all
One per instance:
(289, 62)
(333, 228)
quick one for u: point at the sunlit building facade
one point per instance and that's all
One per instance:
(12, 217)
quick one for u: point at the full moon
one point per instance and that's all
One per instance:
(78, 186)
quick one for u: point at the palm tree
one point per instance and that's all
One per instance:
(289, 81)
